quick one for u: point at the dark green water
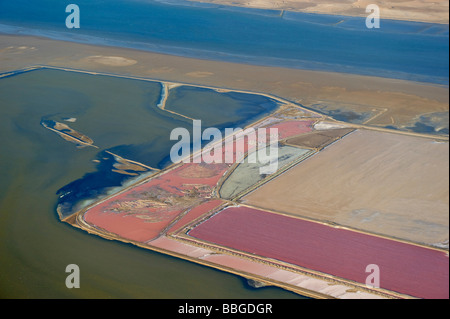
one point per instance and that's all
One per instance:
(35, 247)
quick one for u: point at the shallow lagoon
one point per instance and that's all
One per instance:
(35, 247)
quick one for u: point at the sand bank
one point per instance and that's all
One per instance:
(414, 10)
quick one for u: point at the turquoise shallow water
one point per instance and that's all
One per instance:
(35, 163)
(399, 49)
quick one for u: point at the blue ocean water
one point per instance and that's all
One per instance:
(399, 49)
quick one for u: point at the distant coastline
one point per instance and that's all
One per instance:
(273, 38)
(415, 10)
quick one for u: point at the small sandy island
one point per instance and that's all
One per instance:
(436, 11)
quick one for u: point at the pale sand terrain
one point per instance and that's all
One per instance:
(110, 60)
(436, 11)
(396, 102)
(377, 182)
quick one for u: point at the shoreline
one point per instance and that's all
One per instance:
(412, 11)
(400, 103)
(166, 84)
(266, 51)
(228, 57)
(88, 60)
